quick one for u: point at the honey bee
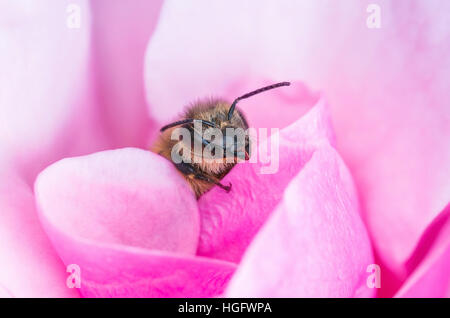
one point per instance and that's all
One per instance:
(201, 172)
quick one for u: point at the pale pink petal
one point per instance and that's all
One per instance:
(428, 266)
(120, 32)
(47, 108)
(5, 293)
(314, 244)
(130, 222)
(44, 100)
(230, 220)
(390, 93)
(127, 196)
(175, 79)
(388, 89)
(29, 266)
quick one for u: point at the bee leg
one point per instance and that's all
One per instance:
(226, 188)
(185, 168)
(188, 170)
(211, 180)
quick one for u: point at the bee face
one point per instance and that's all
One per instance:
(231, 131)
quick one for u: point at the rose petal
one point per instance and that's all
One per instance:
(46, 107)
(389, 106)
(5, 293)
(428, 266)
(44, 89)
(124, 271)
(129, 221)
(314, 244)
(230, 220)
(30, 267)
(391, 117)
(127, 196)
(120, 34)
(169, 72)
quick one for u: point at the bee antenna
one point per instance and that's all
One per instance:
(233, 106)
(186, 121)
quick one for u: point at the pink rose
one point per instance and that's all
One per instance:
(364, 158)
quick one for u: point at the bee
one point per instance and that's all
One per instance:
(201, 172)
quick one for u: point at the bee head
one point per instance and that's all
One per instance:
(207, 117)
(214, 130)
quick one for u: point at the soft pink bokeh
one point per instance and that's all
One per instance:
(309, 230)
